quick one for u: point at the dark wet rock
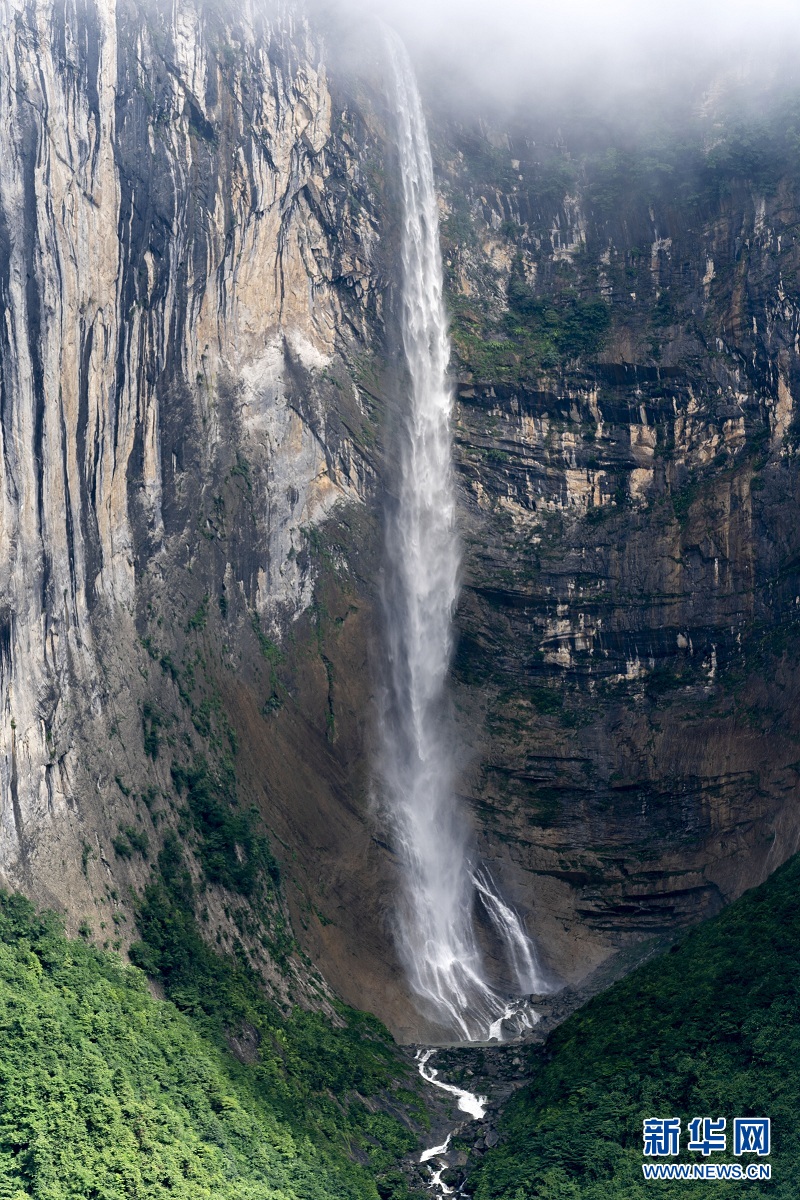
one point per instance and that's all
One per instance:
(244, 1044)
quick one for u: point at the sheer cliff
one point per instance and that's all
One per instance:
(197, 380)
(625, 308)
(191, 292)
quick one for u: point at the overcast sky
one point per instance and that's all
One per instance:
(501, 46)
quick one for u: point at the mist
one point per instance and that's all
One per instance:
(614, 52)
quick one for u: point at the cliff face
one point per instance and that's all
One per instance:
(190, 290)
(196, 230)
(626, 318)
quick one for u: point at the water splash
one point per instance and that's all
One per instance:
(436, 931)
(468, 1102)
(519, 947)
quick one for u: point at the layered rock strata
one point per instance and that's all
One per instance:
(197, 386)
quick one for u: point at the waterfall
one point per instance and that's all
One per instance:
(441, 886)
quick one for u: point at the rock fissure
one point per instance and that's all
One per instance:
(199, 371)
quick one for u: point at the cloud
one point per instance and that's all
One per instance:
(513, 47)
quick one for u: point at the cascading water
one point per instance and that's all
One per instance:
(436, 932)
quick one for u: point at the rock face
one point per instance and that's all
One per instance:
(196, 382)
(190, 291)
(627, 448)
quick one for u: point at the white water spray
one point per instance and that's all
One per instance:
(436, 931)
(468, 1102)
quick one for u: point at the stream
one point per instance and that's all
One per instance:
(468, 1102)
(518, 1016)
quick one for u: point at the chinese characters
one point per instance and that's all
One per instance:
(707, 1135)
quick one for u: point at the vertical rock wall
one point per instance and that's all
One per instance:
(196, 382)
(187, 274)
(626, 314)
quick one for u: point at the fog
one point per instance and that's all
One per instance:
(609, 49)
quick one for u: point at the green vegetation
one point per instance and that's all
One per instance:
(106, 1092)
(130, 841)
(211, 922)
(570, 325)
(311, 1073)
(242, 471)
(672, 159)
(231, 851)
(268, 648)
(152, 724)
(546, 700)
(710, 1029)
(271, 652)
(536, 332)
(199, 618)
(683, 499)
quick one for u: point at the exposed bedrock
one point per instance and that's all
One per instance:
(197, 381)
(626, 438)
(192, 297)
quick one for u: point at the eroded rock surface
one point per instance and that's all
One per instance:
(197, 382)
(626, 444)
(191, 295)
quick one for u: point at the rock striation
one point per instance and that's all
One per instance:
(188, 277)
(197, 388)
(628, 455)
